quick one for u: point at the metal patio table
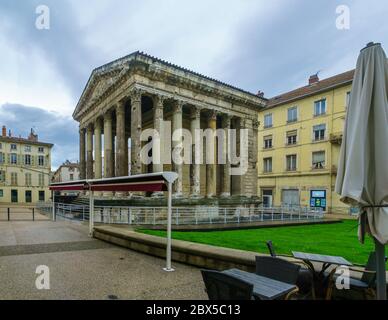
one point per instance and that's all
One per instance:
(326, 260)
(264, 288)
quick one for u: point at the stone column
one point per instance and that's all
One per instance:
(158, 126)
(225, 191)
(89, 152)
(82, 151)
(211, 173)
(177, 125)
(122, 149)
(97, 149)
(108, 146)
(195, 167)
(157, 144)
(136, 127)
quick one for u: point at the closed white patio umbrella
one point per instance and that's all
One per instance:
(362, 178)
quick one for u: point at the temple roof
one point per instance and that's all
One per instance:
(119, 66)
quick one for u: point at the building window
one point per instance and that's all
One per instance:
(267, 164)
(14, 179)
(41, 179)
(13, 146)
(28, 179)
(2, 157)
(291, 162)
(27, 159)
(41, 196)
(1, 193)
(71, 176)
(1, 146)
(14, 158)
(2, 176)
(40, 149)
(291, 137)
(319, 107)
(41, 160)
(267, 142)
(347, 99)
(292, 114)
(319, 132)
(27, 148)
(319, 160)
(268, 120)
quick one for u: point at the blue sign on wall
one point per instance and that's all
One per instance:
(318, 199)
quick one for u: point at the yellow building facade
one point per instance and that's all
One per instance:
(299, 140)
(25, 169)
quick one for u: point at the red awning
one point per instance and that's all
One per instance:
(143, 182)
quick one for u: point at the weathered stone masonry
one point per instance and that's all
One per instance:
(136, 92)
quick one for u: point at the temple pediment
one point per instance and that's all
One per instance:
(156, 71)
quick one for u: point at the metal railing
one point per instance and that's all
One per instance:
(183, 216)
(17, 214)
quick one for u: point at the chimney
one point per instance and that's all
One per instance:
(33, 136)
(4, 131)
(313, 79)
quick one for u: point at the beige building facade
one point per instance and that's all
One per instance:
(299, 143)
(67, 171)
(131, 94)
(25, 169)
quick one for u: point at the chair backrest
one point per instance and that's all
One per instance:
(370, 278)
(277, 269)
(220, 286)
(271, 249)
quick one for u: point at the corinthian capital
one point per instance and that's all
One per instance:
(177, 106)
(136, 95)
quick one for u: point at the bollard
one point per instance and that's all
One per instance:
(33, 214)
(8, 211)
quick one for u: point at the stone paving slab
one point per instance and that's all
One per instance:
(85, 268)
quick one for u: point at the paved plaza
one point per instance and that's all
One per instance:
(84, 268)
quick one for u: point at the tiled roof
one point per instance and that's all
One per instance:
(322, 85)
(24, 141)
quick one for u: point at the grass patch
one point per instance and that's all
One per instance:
(338, 239)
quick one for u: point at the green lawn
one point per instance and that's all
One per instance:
(332, 239)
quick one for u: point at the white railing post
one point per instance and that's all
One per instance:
(154, 218)
(225, 215)
(129, 215)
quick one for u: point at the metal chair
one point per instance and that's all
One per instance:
(271, 249)
(305, 279)
(220, 286)
(277, 269)
(366, 284)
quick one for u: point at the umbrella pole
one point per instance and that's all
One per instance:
(380, 271)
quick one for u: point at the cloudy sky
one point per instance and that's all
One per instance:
(272, 46)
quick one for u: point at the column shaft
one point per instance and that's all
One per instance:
(157, 146)
(89, 152)
(122, 145)
(195, 167)
(97, 150)
(211, 173)
(108, 147)
(176, 126)
(225, 150)
(136, 127)
(82, 153)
